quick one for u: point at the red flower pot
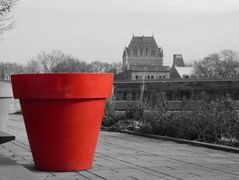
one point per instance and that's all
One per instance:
(62, 115)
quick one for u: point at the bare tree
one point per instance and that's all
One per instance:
(7, 69)
(73, 65)
(116, 67)
(48, 62)
(97, 66)
(33, 66)
(57, 61)
(230, 63)
(6, 20)
(224, 64)
(2, 72)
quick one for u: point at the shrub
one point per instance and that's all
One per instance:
(134, 112)
(110, 116)
(208, 122)
(215, 122)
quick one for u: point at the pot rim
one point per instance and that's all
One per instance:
(62, 73)
(62, 85)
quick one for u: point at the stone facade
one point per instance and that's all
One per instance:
(149, 75)
(174, 94)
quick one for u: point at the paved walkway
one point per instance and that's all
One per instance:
(123, 156)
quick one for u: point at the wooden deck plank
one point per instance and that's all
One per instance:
(10, 170)
(122, 156)
(16, 172)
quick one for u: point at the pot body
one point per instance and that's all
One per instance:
(62, 123)
(63, 133)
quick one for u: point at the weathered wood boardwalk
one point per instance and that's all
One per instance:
(123, 156)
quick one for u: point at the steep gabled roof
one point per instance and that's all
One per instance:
(143, 42)
(185, 71)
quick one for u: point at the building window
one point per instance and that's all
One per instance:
(141, 52)
(144, 52)
(136, 77)
(147, 52)
(152, 77)
(135, 52)
(148, 76)
(124, 95)
(164, 77)
(153, 52)
(160, 77)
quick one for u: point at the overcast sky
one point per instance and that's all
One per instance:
(100, 29)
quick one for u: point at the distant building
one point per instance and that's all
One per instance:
(179, 70)
(145, 79)
(174, 94)
(143, 59)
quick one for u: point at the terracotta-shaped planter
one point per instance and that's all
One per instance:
(62, 115)
(5, 99)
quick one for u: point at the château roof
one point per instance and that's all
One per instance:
(143, 42)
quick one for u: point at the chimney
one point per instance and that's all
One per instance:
(178, 60)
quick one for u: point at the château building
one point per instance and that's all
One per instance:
(143, 59)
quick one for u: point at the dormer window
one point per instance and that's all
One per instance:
(135, 52)
(147, 52)
(153, 52)
(141, 52)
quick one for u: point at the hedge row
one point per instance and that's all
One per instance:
(214, 122)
